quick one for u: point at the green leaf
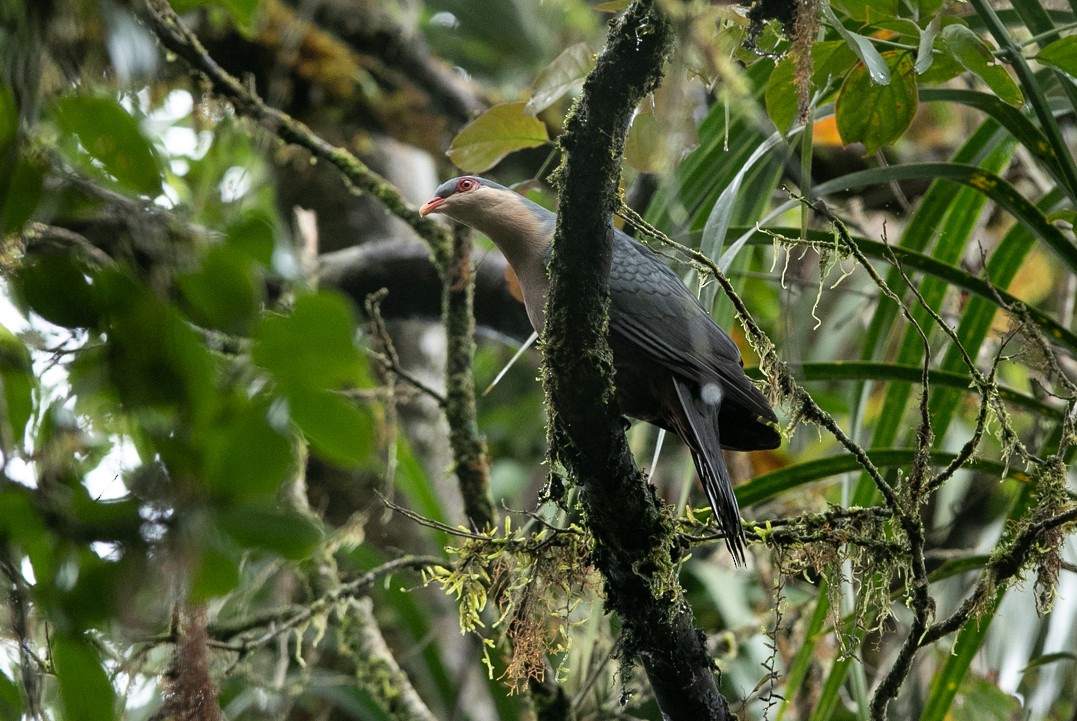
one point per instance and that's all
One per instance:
(769, 485)
(245, 456)
(982, 700)
(925, 52)
(339, 432)
(314, 347)
(57, 288)
(9, 116)
(22, 194)
(224, 292)
(976, 56)
(877, 115)
(501, 130)
(944, 66)
(19, 381)
(242, 11)
(155, 359)
(252, 235)
(112, 137)
(216, 571)
(21, 526)
(10, 700)
(644, 144)
(288, 534)
(1062, 54)
(867, 11)
(559, 77)
(780, 95)
(85, 690)
(1049, 658)
(877, 67)
(830, 60)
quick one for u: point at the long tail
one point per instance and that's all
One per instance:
(700, 432)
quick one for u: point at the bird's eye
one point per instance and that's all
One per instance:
(465, 184)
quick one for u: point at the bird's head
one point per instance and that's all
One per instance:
(464, 198)
(521, 228)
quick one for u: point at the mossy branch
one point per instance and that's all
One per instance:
(469, 449)
(633, 535)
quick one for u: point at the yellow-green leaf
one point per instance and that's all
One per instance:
(1062, 54)
(501, 130)
(643, 145)
(877, 115)
(566, 71)
(976, 56)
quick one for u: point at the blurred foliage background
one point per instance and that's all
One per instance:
(226, 478)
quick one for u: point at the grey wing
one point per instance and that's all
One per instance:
(652, 309)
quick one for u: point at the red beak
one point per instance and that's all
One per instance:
(431, 206)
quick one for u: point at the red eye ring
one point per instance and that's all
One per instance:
(465, 184)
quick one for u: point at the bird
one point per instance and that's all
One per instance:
(674, 366)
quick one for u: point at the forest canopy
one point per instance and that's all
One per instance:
(275, 445)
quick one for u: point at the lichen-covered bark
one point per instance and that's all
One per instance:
(633, 537)
(469, 449)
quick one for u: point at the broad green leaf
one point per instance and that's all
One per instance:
(976, 56)
(21, 525)
(22, 194)
(867, 11)
(877, 115)
(781, 94)
(877, 67)
(830, 60)
(94, 598)
(1062, 54)
(11, 705)
(112, 137)
(252, 235)
(85, 690)
(644, 144)
(116, 519)
(155, 359)
(242, 11)
(57, 288)
(944, 66)
(17, 375)
(245, 456)
(338, 430)
(313, 347)
(224, 292)
(288, 534)
(501, 130)
(216, 571)
(9, 116)
(559, 77)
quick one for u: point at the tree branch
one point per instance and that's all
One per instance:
(468, 447)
